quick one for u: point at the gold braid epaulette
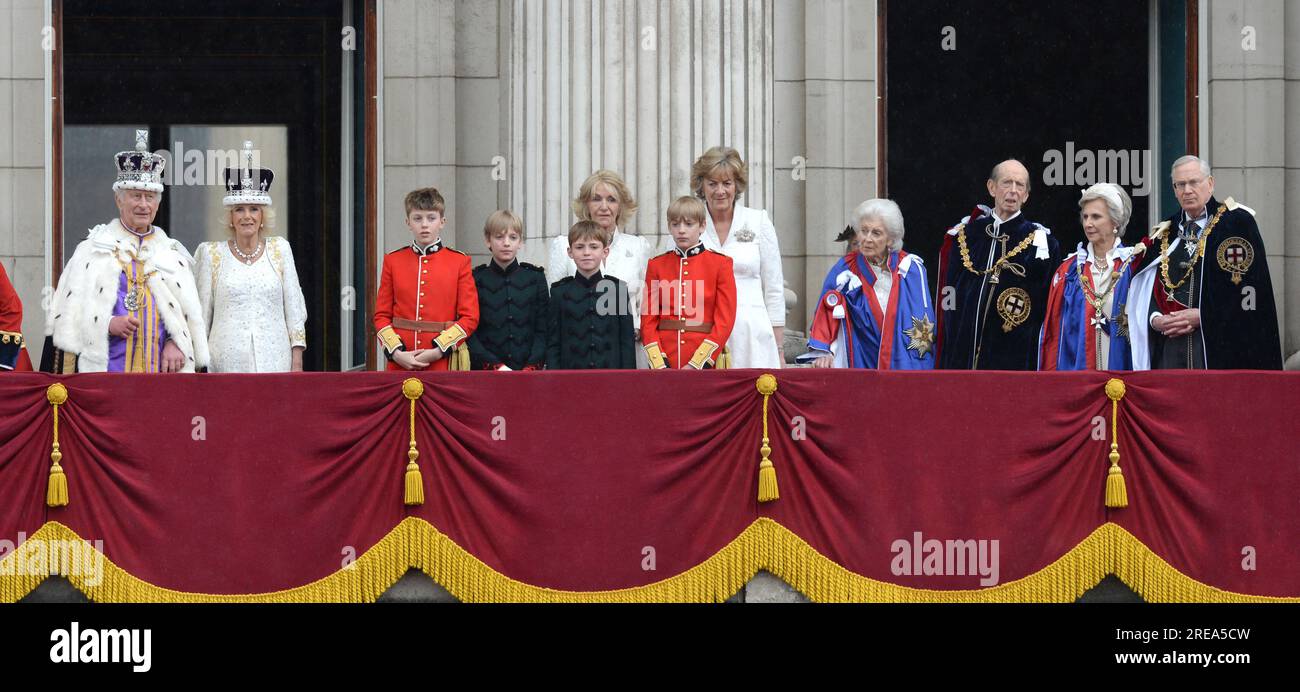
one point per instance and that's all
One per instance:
(997, 266)
(1191, 266)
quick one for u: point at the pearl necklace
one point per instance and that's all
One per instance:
(248, 258)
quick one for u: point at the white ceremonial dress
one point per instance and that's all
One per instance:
(256, 313)
(760, 286)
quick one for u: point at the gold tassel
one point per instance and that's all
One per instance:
(1116, 492)
(767, 488)
(413, 389)
(724, 361)
(56, 493)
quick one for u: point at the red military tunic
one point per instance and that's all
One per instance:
(689, 307)
(427, 299)
(13, 355)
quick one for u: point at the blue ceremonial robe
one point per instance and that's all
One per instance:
(848, 319)
(1068, 340)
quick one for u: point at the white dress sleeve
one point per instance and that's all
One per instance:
(636, 282)
(558, 264)
(203, 280)
(773, 275)
(295, 306)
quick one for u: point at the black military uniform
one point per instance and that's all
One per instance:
(512, 317)
(590, 325)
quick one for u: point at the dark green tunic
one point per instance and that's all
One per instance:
(512, 317)
(590, 325)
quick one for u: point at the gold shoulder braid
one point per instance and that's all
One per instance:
(997, 266)
(1191, 265)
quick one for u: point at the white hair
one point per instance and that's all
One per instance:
(885, 211)
(119, 193)
(1117, 203)
(1184, 160)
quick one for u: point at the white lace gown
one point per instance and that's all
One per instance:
(255, 313)
(760, 286)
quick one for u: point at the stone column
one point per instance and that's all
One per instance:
(641, 88)
(23, 223)
(1254, 93)
(825, 134)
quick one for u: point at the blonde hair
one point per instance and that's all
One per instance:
(503, 220)
(589, 230)
(626, 205)
(687, 208)
(228, 217)
(715, 158)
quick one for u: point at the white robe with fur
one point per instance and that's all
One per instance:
(83, 302)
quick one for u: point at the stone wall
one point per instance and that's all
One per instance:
(557, 90)
(1254, 132)
(23, 228)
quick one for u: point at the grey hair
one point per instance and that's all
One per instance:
(887, 212)
(1117, 203)
(1184, 160)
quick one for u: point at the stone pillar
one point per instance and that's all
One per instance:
(23, 223)
(1254, 93)
(547, 92)
(442, 123)
(825, 134)
(641, 88)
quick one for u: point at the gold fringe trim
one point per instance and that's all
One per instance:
(765, 544)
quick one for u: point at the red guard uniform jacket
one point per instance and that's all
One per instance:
(13, 354)
(431, 286)
(690, 307)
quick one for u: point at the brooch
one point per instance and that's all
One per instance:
(745, 235)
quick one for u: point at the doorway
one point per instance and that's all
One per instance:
(204, 78)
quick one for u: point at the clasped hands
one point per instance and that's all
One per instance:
(124, 326)
(1179, 323)
(418, 360)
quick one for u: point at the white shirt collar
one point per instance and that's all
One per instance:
(998, 221)
(133, 233)
(1117, 251)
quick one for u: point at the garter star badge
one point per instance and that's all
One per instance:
(1235, 256)
(920, 336)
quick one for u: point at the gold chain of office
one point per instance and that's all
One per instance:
(997, 266)
(1200, 252)
(1097, 301)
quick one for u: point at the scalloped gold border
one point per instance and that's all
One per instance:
(764, 544)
